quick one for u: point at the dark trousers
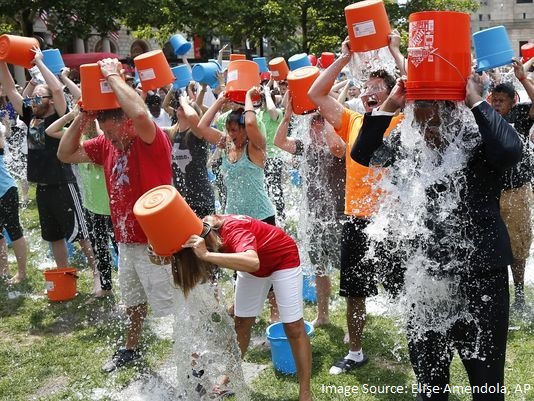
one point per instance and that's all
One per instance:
(273, 183)
(100, 233)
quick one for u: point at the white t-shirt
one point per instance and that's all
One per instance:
(163, 120)
(355, 104)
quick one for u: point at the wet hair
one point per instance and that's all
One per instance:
(111, 114)
(506, 88)
(237, 117)
(386, 76)
(188, 270)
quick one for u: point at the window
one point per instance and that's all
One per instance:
(480, 17)
(489, 17)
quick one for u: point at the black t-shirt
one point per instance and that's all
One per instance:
(522, 172)
(43, 165)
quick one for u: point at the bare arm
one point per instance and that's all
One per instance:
(53, 83)
(527, 84)
(29, 88)
(70, 149)
(200, 97)
(210, 134)
(191, 116)
(336, 145)
(131, 103)
(329, 107)
(342, 98)
(55, 130)
(280, 138)
(274, 112)
(394, 49)
(254, 134)
(71, 86)
(221, 53)
(8, 86)
(166, 105)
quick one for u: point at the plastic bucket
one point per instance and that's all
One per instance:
(299, 82)
(183, 76)
(439, 58)
(206, 73)
(278, 68)
(527, 51)
(242, 75)
(313, 59)
(53, 60)
(368, 25)
(237, 56)
(17, 50)
(299, 60)
(281, 354)
(154, 70)
(96, 91)
(265, 76)
(309, 292)
(60, 283)
(179, 44)
(166, 219)
(492, 48)
(326, 59)
(262, 63)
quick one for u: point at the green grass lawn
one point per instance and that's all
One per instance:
(54, 351)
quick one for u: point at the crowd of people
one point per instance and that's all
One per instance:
(229, 162)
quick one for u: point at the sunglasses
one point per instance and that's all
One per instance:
(35, 100)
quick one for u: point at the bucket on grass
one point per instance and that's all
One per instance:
(206, 73)
(154, 70)
(527, 51)
(179, 44)
(183, 76)
(53, 60)
(299, 60)
(368, 25)
(281, 354)
(96, 91)
(309, 291)
(242, 75)
(278, 68)
(439, 58)
(17, 50)
(492, 48)
(60, 283)
(166, 219)
(299, 82)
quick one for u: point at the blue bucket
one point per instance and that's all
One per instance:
(492, 48)
(183, 76)
(298, 60)
(53, 60)
(206, 73)
(309, 292)
(280, 349)
(180, 44)
(262, 63)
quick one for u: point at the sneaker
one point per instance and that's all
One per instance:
(346, 365)
(121, 358)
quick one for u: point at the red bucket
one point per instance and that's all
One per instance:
(368, 25)
(299, 83)
(439, 58)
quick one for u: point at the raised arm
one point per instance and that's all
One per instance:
(74, 90)
(394, 49)
(8, 86)
(280, 138)
(336, 145)
(254, 134)
(522, 76)
(204, 128)
(131, 103)
(319, 92)
(70, 149)
(55, 130)
(53, 83)
(274, 112)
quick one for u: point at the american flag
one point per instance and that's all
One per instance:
(114, 35)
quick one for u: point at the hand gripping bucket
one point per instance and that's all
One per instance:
(242, 75)
(278, 68)
(166, 219)
(237, 56)
(153, 69)
(262, 63)
(206, 73)
(60, 283)
(299, 83)
(492, 48)
(183, 76)
(527, 51)
(298, 61)
(439, 58)
(17, 50)
(281, 354)
(53, 60)
(326, 59)
(96, 91)
(368, 25)
(179, 44)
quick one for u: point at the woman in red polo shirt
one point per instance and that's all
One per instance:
(263, 255)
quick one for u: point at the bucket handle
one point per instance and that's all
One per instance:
(433, 52)
(72, 274)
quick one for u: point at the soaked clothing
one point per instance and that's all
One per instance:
(190, 174)
(9, 203)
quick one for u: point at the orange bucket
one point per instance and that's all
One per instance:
(242, 75)
(236, 56)
(278, 68)
(439, 58)
(166, 219)
(17, 50)
(60, 283)
(96, 91)
(154, 70)
(299, 82)
(368, 25)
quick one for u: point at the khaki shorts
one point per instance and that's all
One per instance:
(515, 211)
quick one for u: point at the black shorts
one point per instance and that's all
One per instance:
(61, 213)
(9, 214)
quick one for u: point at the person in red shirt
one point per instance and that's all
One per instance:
(263, 255)
(136, 156)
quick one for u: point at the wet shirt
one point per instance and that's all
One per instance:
(129, 174)
(189, 171)
(522, 173)
(43, 165)
(276, 250)
(6, 181)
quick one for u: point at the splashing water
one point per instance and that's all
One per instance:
(363, 64)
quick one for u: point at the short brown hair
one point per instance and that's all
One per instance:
(115, 114)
